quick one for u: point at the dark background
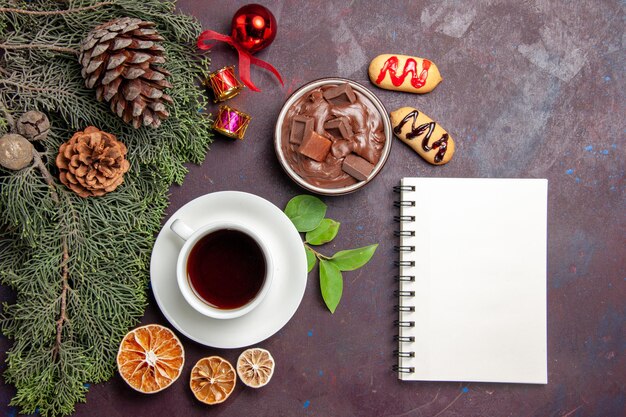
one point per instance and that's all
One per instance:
(530, 90)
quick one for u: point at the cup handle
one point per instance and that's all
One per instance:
(181, 229)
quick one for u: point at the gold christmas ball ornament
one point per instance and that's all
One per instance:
(92, 162)
(33, 125)
(122, 60)
(16, 152)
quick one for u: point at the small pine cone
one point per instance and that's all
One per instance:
(92, 162)
(121, 59)
(33, 125)
(15, 152)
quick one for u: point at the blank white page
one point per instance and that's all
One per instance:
(480, 280)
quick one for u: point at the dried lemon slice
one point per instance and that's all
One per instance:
(150, 358)
(212, 380)
(255, 367)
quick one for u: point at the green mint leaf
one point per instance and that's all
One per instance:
(324, 233)
(349, 260)
(331, 283)
(305, 212)
(310, 259)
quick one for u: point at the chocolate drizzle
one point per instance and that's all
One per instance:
(416, 131)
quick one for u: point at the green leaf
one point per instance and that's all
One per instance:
(305, 212)
(349, 260)
(310, 259)
(331, 284)
(324, 233)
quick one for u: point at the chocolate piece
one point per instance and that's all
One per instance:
(316, 96)
(367, 140)
(315, 147)
(366, 152)
(341, 148)
(357, 167)
(300, 128)
(339, 128)
(340, 95)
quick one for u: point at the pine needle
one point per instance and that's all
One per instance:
(73, 306)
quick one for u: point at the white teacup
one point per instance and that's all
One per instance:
(192, 297)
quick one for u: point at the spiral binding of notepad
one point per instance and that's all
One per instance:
(402, 307)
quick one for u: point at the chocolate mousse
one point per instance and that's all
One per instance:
(345, 125)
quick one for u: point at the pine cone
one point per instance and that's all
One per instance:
(92, 162)
(33, 125)
(120, 59)
(15, 152)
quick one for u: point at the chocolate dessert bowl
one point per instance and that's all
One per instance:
(332, 136)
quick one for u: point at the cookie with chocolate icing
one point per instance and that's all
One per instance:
(423, 134)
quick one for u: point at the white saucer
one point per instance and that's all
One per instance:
(287, 289)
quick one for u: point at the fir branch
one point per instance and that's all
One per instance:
(91, 292)
(64, 289)
(39, 46)
(7, 116)
(38, 163)
(55, 12)
(26, 86)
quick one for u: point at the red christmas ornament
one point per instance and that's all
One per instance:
(254, 27)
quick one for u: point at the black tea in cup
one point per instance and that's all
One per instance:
(226, 268)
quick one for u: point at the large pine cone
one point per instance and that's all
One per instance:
(92, 162)
(120, 59)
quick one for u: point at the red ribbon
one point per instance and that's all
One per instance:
(245, 58)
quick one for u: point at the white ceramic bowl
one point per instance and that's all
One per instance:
(304, 90)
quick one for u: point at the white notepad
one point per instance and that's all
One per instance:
(478, 280)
